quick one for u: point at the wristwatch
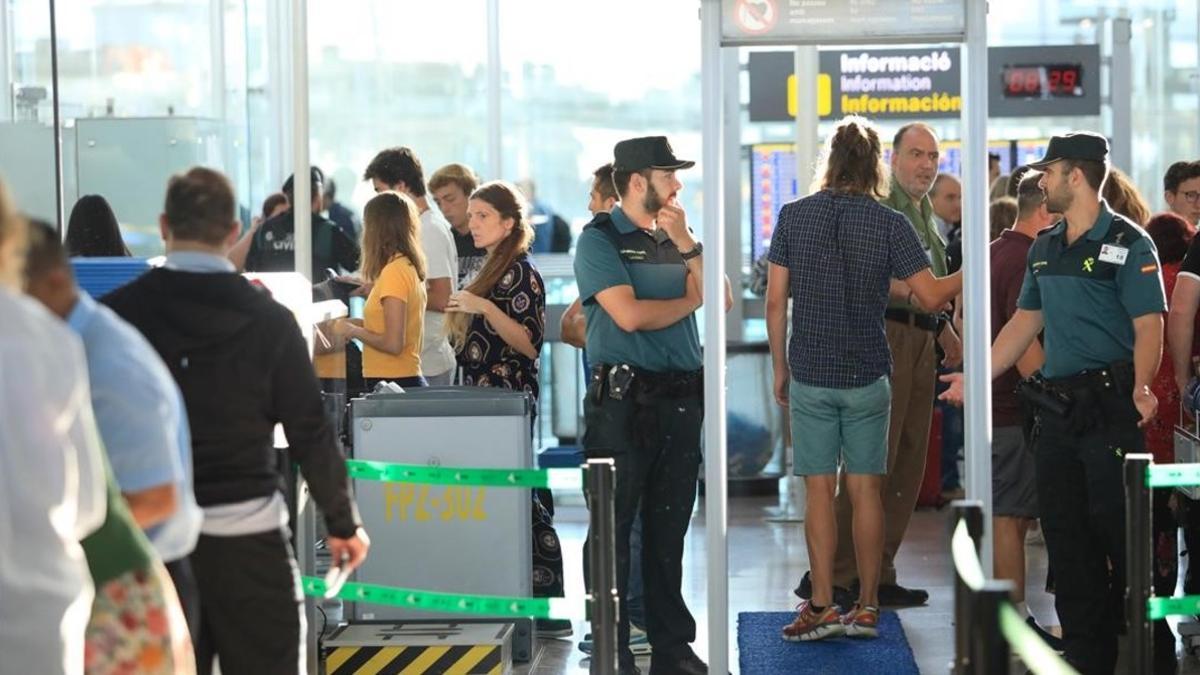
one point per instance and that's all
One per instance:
(694, 253)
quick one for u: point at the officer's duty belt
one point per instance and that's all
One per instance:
(670, 384)
(1117, 377)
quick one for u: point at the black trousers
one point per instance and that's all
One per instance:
(1081, 496)
(251, 610)
(657, 463)
(189, 596)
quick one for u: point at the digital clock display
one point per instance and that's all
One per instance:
(1043, 82)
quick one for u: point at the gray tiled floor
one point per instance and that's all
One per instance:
(767, 559)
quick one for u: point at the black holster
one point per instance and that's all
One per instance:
(646, 388)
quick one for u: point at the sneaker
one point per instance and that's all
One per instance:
(843, 597)
(812, 626)
(1051, 640)
(862, 622)
(554, 628)
(639, 642)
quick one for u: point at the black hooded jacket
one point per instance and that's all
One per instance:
(243, 366)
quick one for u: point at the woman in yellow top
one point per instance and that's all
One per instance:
(393, 317)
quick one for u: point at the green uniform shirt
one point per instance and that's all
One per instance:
(613, 251)
(921, 216)
(1090, 292)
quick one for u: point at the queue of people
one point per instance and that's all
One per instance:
(179, 526)
(167, 524)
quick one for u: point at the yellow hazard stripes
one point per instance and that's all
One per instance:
(460, 660)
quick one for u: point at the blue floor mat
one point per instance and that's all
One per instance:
(762, 652)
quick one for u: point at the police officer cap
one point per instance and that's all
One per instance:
(647, 152)
(1083, 145)
(317, 181)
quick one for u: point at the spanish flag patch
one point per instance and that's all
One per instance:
(1147, 269)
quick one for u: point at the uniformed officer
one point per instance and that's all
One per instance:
(639, 273)
(1093, 284)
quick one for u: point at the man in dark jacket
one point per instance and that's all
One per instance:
(273, 248)
(243, 367)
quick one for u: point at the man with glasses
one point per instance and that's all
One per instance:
(1181, 190)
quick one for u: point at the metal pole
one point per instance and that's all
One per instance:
(989, 650)
(602, 562)
(1139, 563)
(731, 128)
(306, 557)
(970, 511)
(302, 190)
(977, 272)
(807, 120)
(715, 467)
(276, 144)
(57, 131)
(1121, 94)
(495, 129)
(216, 41)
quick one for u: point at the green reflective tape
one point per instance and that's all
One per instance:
(558, 479)
(485, 605)
(1161, 608)
(1037, 655)
(966, 561)
(1172, 475)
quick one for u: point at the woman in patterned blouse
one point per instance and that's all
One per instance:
(496, 324)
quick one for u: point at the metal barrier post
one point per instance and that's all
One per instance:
(989, 650)
(1138, 562)
(970, 511)
(602, 559)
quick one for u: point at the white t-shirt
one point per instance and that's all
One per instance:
(52, 490)
(441, 261)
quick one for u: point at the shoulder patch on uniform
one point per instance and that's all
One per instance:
(1125, 232)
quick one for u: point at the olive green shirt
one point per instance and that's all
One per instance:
(119, 545)
(920, 215)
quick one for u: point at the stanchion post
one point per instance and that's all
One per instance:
(1139, 562)
(989, 649)
(970, 511)
(602, 561)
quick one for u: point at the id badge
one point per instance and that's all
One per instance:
(1113, 254)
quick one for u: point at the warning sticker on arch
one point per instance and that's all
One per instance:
(831, 22)
(756, 17)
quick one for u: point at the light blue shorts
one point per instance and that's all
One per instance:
(846, 424)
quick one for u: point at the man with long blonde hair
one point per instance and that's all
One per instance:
(835, 253)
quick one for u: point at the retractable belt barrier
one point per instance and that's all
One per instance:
(986, 625)
(602, 603)
(487, 605)
(1141, 475)
(555, 479)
